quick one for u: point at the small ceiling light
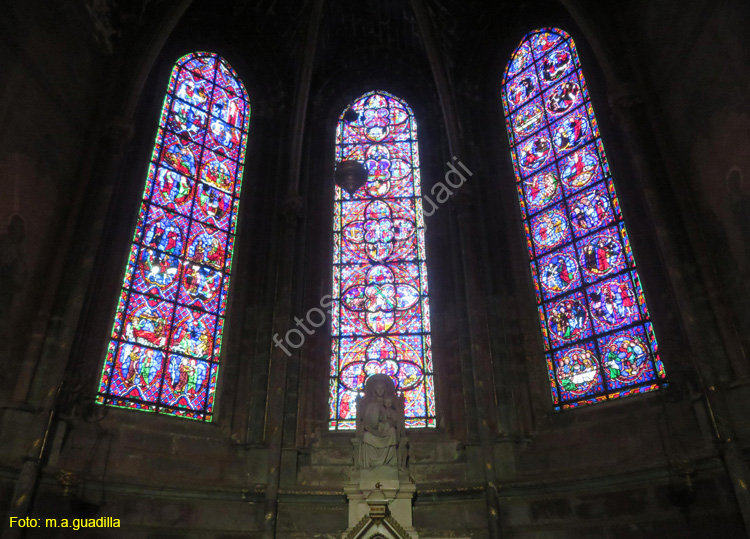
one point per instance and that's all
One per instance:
(350, 175)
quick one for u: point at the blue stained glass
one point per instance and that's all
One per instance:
(165, 342)
(172, 191)
(563, 97)
(381, 318)
(571, 131)
(542, 189)
(523, 88)
(600, 255)
(592, 310)
(580, 169)
(559, 272)
(550, 229)
(568, 319)
(577, 371)
(554, 65)
(626, 358)
(528, 119)
(156, 273)
(534, 152)
(590, 210)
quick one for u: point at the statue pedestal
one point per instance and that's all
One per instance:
(380, 502)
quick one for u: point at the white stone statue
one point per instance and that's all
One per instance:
(380, 439)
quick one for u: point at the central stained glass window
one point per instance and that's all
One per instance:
(595, 323)
(381, 316)
(164, 349)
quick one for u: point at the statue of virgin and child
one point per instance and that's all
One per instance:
(380, 438)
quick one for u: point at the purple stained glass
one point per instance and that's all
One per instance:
(172, 191)
(165, 342)
(380, 311)
(563, 97)
(550, 229)
(580, 169)
(558, 272)
(590, 210)
(577, 371)
(541, 189)
(600, 255)
(523, 88)
(568, 319)
(592, 309)
(571, 131)
(528, 119)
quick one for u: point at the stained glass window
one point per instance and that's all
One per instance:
(164, 349)
(596, 327)
(381, 317)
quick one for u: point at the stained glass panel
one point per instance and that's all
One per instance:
(592, 309)
(164, 350)
(380, 309)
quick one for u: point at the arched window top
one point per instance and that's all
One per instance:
(164, 350)
(381, 321)
(204, 72)
(596, 326)
(534, 46)
(376, 117)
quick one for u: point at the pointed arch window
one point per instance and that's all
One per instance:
(381, 317)
(163, 355)
(596, 327)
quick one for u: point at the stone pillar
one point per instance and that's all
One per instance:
(282, 319)
(276, 399)
(631, 117)
(41, 375)
(480, 358)
(479, 351)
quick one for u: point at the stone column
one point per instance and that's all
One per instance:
(282, 319)
(631, 117)
(480, 357)
(479, 351)
(41, 376)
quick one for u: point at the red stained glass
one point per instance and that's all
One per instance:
(592, 309)
(164, 349)
(380, 310)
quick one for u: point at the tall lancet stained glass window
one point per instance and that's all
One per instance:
(164, 349)
(381, 317)
(599, 341)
